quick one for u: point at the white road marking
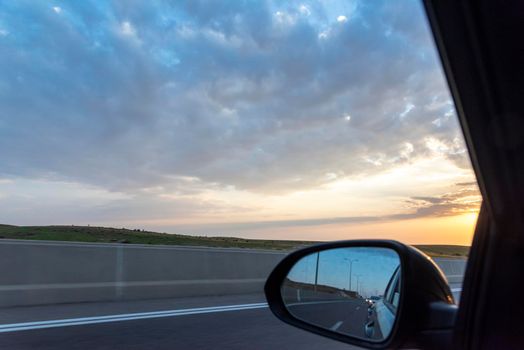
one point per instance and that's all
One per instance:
(318, 302)
(116, 284)
(336, 326)
(25, 326)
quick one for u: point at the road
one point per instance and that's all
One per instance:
(224, 322)
(206, 327)
(344, 316)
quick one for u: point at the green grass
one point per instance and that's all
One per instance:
(123, 235)
(445, 251)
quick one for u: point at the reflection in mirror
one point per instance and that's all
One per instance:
(353, 291)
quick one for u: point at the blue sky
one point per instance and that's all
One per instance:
(194, 115)
(371, 270)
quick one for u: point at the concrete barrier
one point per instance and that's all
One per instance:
(454, 269)
(40, 272)
(46, 272)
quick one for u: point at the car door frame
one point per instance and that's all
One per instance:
(482, 55)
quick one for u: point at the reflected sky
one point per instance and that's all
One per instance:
(371, 269)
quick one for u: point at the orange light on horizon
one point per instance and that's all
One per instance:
(444, 230)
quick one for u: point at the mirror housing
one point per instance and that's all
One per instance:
(426, 306)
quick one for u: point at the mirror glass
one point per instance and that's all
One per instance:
(353, 291)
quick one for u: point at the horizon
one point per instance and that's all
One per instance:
(207, 235)
(135, 229)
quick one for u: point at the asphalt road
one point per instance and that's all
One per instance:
(227, 322)
(343, 316)
(248, 328)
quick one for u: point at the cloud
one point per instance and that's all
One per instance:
(65, 202)
(466, 199)
(304, 10)
(127, 29)
(463, 200)
(218, 91)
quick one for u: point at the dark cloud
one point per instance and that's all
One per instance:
(465, 199)
(129, 95)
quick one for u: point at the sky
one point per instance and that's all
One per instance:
(316, 120)
(371, 269)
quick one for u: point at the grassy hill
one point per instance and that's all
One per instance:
(445, 251)
(123, 235)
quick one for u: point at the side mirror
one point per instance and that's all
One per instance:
(376, 294)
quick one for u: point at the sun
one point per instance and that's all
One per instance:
(470, 218)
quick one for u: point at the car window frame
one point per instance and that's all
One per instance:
(393, 285)
(482, 58)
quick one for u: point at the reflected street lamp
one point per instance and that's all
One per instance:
(316, 272)
(351, 261)
(358, 281)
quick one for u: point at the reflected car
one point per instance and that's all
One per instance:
(372, 300)
(382, 312)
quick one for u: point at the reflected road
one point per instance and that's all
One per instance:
(343, 316)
